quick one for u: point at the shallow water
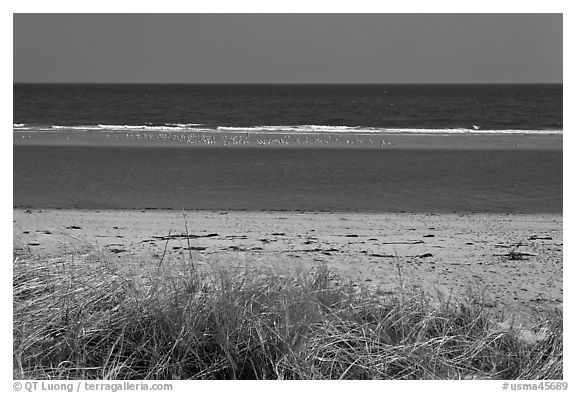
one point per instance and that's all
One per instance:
(329, 179)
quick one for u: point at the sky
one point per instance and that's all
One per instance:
(288, 48)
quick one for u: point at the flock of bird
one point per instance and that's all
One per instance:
(240, 139)
(236, 139)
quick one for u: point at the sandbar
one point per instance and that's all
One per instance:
(465, 141)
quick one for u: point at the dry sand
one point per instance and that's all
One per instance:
(445, 252)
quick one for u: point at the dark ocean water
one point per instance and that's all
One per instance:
(330, 179)
(408, 107)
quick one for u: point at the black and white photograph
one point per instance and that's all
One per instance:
(287, 196)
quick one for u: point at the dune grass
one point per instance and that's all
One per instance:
(87, 317)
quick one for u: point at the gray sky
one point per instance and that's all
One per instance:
(288, 48)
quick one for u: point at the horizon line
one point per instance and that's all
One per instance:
(287, 83)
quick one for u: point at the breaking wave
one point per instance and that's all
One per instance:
(274, 129)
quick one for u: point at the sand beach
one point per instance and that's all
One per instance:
(514, 260)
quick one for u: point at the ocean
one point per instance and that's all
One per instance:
(344, 147)
(346, 108)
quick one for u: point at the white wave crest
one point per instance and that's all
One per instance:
(127, 127)
(296, 128)
(317, 129)
(273, 129)
(184, 125)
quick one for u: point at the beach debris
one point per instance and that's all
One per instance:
(181, 236)
(426, 255)
(117, 250)
(429, 235)
(351, 235)
(324, 251)
(189, 248)
(278, 234)
(243, 237)
(73, 227)
(44, 232)
(382, 255)
(513, 245)
(514, 255)
(535, 237)
(34, 244)
(313, 250)
(413, 242)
